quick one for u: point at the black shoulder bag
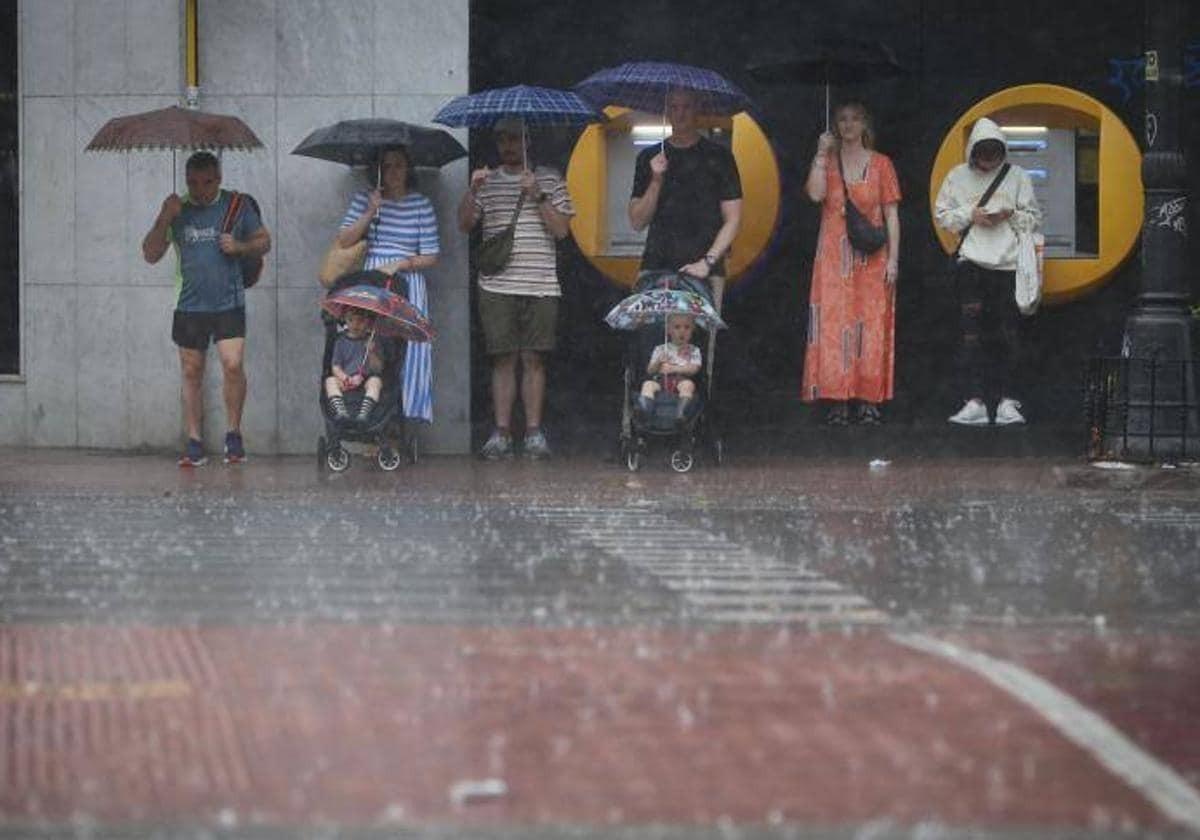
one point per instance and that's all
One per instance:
(864, 237)
(494, 251)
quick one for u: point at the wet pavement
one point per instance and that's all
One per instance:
(777, 647)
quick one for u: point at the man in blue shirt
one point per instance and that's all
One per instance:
(210, 293)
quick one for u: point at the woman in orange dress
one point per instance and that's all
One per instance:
(849, 357)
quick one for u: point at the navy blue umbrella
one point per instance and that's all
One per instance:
(644, 85)
(534, 105)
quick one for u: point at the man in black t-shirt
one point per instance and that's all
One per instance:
(689, 193)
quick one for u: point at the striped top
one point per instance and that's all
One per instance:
(404, 228)
(531, 269)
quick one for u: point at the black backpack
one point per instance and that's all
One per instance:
(252, 267)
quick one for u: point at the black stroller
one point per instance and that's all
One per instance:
(383, 430)
(663, 424)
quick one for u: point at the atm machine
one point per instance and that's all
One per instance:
(1051, 157)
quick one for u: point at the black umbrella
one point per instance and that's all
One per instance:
(359, 142)
(833, 60)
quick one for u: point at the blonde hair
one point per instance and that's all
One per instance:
(868, 138)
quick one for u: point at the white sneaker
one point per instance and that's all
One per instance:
(974, 413)
(1007, 413)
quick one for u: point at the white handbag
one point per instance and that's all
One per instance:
(1031, 249)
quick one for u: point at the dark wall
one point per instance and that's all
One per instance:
(10, 339)
(956, 53)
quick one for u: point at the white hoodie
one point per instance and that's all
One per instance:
(992, 247)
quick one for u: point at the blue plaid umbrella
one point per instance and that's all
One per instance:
(643, 86)
(535, 105)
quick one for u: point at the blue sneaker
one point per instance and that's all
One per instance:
(193, 454)
(235, 450)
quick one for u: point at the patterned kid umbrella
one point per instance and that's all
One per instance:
(397, 317)
(534, 105)
(654, 306)
(643, 86)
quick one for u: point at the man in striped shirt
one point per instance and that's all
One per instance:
(518, 305)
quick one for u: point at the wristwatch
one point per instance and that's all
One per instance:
(710, 260)
(543, 197)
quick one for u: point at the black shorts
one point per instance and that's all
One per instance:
(193, 330)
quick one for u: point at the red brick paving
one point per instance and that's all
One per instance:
(1146, 683)
(347, 723)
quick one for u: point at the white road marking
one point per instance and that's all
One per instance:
(718, 580)
(1079, 724)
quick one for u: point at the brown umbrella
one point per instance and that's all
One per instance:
(174, 129)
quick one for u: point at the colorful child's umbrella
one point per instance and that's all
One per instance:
(396, 316)
(656, 305)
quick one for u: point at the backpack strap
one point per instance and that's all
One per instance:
(232, 211)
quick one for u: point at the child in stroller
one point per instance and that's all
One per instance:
(357, 365)
(360, 404)
(671, 365)
(671, 405)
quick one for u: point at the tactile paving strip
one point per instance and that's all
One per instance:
(95, 718)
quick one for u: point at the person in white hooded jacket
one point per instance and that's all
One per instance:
(985, 272)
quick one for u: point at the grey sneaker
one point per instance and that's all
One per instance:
(1008, 413)
(974, 413)
(498, 446)
(535, 446)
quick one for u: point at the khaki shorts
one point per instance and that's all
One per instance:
(512, 323)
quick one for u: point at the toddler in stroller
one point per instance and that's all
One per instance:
(670, 403)
(358, 396)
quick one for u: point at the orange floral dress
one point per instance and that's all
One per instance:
(851, 306)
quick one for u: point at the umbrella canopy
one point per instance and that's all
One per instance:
(837, 61)
(654, 306)
(359, 142)
(534, 105)
(833, 60)
(397, 317)
(174, 129)
(643, 86)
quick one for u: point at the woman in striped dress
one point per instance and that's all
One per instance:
(402, 237)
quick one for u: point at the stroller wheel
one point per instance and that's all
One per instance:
(338, 459)
(388, 458)
(681, 460)
(321, 448)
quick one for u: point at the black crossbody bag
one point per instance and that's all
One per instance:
(864, 237)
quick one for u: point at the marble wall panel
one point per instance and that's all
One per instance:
(101, 213)
(423, 48)
(302, 344)
(325, 48)
(313, 194)
(48, 200)
(155, 415)
(12, 413)
(50, 365)
(237, 48)
(260, 420)
(48, 48)
(154, 59)
(101, 48)
(102, 366)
